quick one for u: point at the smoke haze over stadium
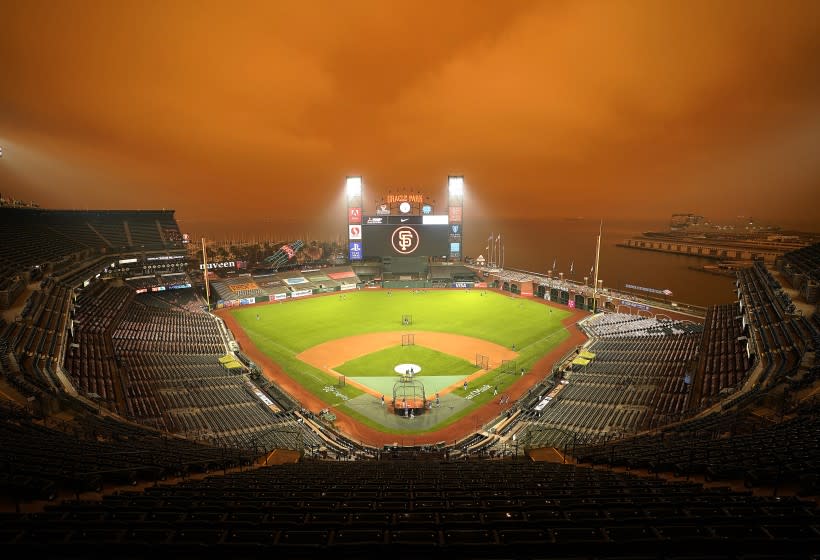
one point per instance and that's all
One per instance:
(547, 108)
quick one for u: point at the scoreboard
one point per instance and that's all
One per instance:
(405, 236)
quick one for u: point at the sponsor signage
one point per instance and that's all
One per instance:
(355, 250)
(347, 287)
(635, 305)
(455, 247)
(141, 290)
(279, 297)
(650, 290)
(383, 210)
(301, 293)
(179, 286)
(426, 209)
(455, 214)
(354, 215)
(398, 220)
(455, 229)
(215, 265)
(127, 261)
(164, 258)
(354, 232)
(438, 219)
(288, 250)
(247, 301)
(571, 304)
(463, 284)
(375, 220)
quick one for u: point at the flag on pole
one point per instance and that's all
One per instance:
(571, 265)
(591, 271)
(554, 261)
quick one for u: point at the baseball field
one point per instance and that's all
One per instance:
(464, 347)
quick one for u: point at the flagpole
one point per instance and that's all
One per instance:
(491, 262)
(597, 257)
(205, 273)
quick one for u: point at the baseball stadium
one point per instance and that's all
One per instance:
(399, 398)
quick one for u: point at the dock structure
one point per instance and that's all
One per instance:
(713, 248)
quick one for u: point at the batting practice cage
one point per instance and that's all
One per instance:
(408, 396)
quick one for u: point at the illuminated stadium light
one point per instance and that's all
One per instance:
(455, 185)
(353, 186)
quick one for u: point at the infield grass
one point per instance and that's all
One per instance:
(382, 363)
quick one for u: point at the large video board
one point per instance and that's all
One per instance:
(404, 238)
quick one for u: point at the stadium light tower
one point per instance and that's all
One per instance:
(353, 187)
(455, 185)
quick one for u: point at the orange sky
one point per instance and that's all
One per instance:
(553, 108)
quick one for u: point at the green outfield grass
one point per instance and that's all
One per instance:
(383, 362)
(284, 330)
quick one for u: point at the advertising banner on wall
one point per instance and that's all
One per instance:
(354, 215)
(354, 232)
(279, 297)
(355, 251)
(636, 305)
(347, 287)
(301, 293)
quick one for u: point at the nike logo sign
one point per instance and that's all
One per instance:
(404, 220)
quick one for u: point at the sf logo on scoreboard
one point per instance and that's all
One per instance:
(405, 240)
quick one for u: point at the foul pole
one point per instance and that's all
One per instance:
(595, 281)
(205, 274)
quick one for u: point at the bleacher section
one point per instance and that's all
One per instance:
(757, 453)
(431, 509)
(36, 240)
(724, 363)
(246, 288)
(39, 459)
(631, 384)
(802, 269)
(776, 331)
(621, 324)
